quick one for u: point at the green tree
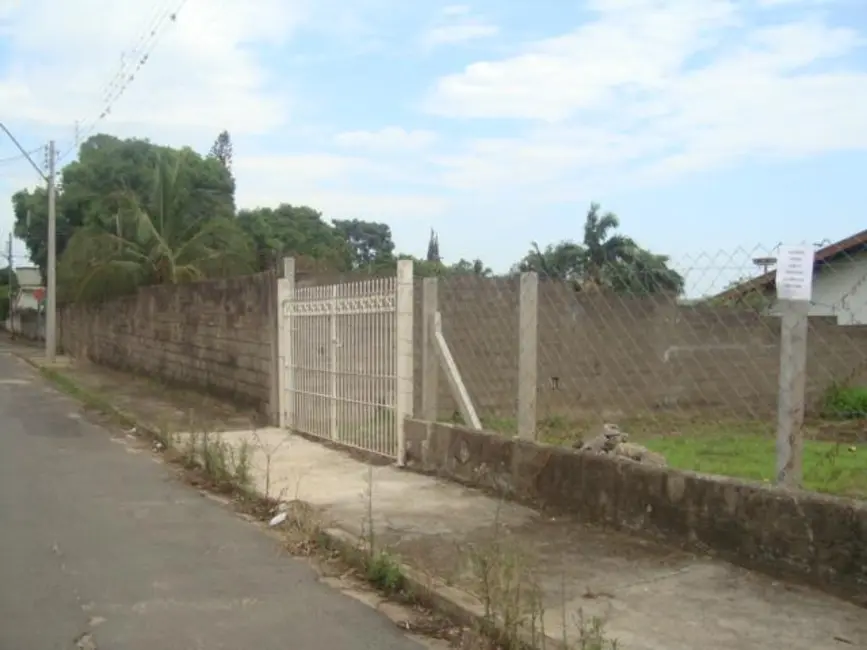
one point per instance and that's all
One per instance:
(222, 150)
(153, 241)
(563, 261)
(605, 253)
(8, 283)
(370, 243)
(93, 189)
(294, 230)
(433, 248)
(474, 267)
(604, 260)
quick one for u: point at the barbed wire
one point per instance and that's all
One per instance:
(130, 67)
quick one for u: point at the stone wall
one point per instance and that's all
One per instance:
(814, 538)
(626, 355)
(214, 335)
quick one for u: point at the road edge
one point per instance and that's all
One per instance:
(456, 605)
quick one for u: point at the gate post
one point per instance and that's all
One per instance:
(404, 350)
(285, 372)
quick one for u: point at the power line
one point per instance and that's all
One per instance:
(133, 54)
(127, 73)
(20, 156)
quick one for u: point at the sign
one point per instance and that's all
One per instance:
(39, 294)
(795, 273)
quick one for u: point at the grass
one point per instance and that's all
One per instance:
(738, 448)
(828, 467)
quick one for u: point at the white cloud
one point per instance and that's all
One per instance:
(456, 10)
(457, 24)
(390, 138)
(339, 186)
(200, 72)
(448, 34)
(207, 72)
(659, 85)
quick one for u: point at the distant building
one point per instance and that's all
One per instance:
(27, 314)
(839, 283)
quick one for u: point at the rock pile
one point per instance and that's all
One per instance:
(612, 441)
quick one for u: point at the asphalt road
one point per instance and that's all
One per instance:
(98, 541)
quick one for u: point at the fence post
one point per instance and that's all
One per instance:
(430, 377)
(528, 341)
(285, 373)
(404, 350)
(332, 362)
(790, 405)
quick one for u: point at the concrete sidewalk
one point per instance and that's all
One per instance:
(651, 597)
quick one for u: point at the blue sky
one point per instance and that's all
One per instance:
(715, 129)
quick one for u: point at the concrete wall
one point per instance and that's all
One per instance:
(624, 355)
(610, 354)
(818, 539)
(28, 323)
(215, 335)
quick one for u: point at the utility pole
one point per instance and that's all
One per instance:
(51, 298)
(12, 296)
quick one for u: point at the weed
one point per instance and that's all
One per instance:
(842, 402)
(164, 437)
(190, 452)
(383, 571)
(242, 475)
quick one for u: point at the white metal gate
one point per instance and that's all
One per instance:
(346, 352)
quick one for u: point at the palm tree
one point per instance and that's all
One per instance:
(163, 245)
(563, 261)
(604, 260)
(641, 272)
(604, 253)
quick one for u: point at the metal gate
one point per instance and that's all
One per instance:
(347, 362)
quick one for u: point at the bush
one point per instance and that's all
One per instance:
(845, 402)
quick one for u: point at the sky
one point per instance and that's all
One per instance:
(714, 129)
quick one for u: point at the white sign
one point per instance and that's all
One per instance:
(795, 273)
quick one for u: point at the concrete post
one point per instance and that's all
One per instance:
(430, 378)
(528, 342)
(404, 380)
(793, 371)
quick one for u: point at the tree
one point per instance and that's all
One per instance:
(299, 231)
(8, 285)
(222, 150)
(563, 261)
(370, 244)
(475, 267)
(604, 260)
(153, 241)
(604, 253)
(108, 171)
(433, 248)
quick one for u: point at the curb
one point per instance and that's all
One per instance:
(456, 605)
(74, 390)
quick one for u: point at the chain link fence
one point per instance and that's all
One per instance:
(622, 345)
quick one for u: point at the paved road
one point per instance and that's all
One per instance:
(94, 539)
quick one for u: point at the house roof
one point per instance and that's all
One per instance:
(28, 276)
(821, 258)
